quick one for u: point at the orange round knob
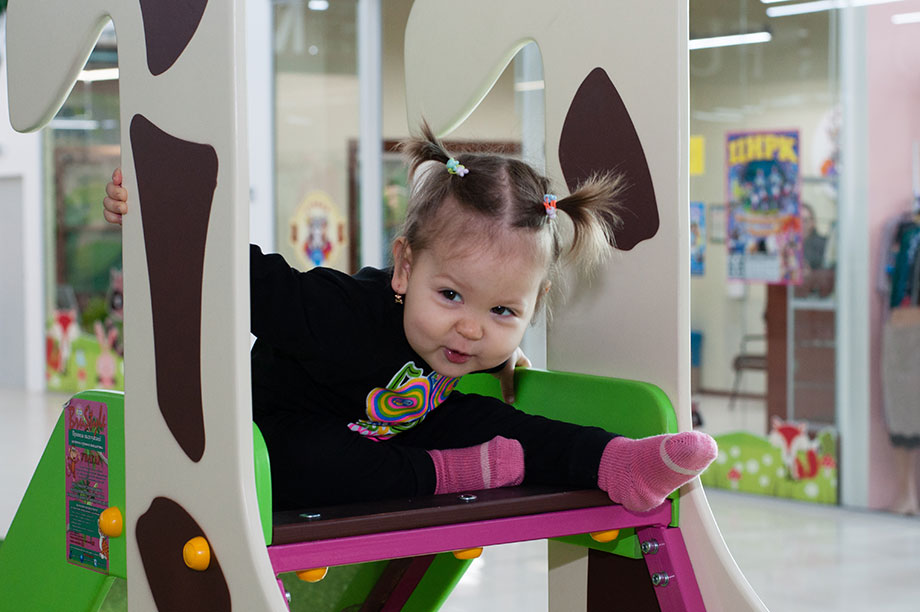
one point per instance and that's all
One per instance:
(605, 536)
(468, 553)
(313, 575)
(197, 554)
(111, 524)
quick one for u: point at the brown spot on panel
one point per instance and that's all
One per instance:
(176, 181)
(396, 584)
(161, 534)
(169, 25)
(598, 135)
(619, 583)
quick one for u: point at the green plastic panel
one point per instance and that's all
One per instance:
(626, 545)
(437, 584)
(627, 407)
(263, 483)
(34, 573)
(116, 599)
(345, 587)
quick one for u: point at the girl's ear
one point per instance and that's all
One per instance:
(402, 265)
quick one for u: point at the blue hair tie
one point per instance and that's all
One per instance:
(455, 167)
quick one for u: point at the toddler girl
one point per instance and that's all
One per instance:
(353, 376)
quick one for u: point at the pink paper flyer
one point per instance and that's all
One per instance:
(87, 482)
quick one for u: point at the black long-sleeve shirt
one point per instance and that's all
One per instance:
(333, 345)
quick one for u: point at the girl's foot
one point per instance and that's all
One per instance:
(496, 463)
(640, 473)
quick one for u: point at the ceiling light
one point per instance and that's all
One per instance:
(529, 85)
(318, 5)
(727, 41)
(805, 7)
(102, 74)
(64, 123)
(903, 18)
(820, 5)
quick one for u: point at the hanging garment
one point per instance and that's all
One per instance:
(905, 285)
(901, 376)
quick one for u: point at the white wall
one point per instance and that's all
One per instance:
(260, 111)
(20, 160)
(892, 127)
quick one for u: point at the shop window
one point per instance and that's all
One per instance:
(316, 116)
(84, 281)
(764, 124)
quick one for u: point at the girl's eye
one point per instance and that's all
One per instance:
(503, 311)
(451, 295)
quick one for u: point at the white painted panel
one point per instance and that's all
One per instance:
(12, 286)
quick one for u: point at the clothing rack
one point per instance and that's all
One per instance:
(900, 357)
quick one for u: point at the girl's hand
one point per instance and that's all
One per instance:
(505, 376)
(116, 200)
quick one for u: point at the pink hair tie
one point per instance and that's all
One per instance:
(549, 203)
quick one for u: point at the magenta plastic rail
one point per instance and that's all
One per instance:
(430, 540)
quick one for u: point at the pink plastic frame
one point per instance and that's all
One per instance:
(431, 540)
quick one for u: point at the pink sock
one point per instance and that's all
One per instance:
(496, 463)
(640, 473)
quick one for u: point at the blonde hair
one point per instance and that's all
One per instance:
(506, 193)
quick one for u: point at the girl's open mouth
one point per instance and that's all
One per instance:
(456, 356)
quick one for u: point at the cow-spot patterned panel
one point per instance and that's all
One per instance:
(175, 181)
(161, 533)
(598, 135)
(169, 26)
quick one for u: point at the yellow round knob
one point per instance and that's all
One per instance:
(468, 553)
(111, 524)
(313, 575)
(605, 536)
(197, 554)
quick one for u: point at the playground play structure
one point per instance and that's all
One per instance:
(166, 489)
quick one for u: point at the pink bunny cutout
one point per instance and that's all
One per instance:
(106, 364)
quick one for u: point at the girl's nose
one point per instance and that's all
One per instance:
(469, 328)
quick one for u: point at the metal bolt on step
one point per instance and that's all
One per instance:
(660, 579)
(650, 547)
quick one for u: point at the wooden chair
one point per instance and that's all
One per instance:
(746, 360)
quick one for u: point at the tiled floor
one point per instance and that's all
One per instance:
(797, 557)
(26, 421)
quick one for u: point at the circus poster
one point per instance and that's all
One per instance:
(764, 235)
(697, 238)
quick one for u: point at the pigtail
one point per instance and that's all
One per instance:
(425, 148)
(594, 210)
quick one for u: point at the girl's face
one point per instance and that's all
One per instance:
(467, 309)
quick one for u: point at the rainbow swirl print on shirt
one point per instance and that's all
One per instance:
(409, 401)
(390, 411)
